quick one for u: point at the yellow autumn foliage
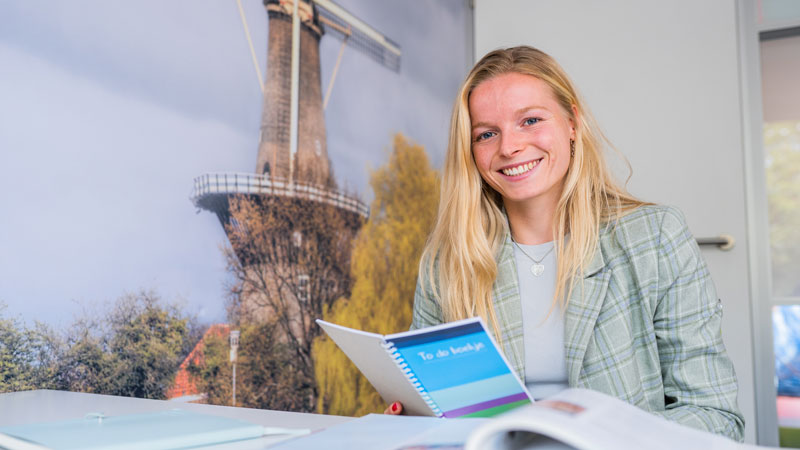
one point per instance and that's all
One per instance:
(384, 267)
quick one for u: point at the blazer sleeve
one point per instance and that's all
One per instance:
(700, 386)
(426, 311)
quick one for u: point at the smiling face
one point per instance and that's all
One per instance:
(520, 139)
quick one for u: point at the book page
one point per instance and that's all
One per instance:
(587, 419)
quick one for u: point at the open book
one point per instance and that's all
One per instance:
(584, 420)
(450, 370)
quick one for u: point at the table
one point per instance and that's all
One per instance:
(20, 408)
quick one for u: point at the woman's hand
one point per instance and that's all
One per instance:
(395, 409)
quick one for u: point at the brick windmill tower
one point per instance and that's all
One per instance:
(293, 165)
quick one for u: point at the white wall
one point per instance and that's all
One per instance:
(663, 79)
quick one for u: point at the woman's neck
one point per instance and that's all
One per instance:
(531, 225)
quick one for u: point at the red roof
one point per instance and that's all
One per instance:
(183, 385)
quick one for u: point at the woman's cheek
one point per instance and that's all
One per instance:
(483, 160)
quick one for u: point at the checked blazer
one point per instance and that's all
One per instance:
(643, 324)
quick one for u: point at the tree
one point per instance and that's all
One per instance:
(211, 370)
(27, 356)
(268, 376)
(134, 350)
(147, 341)
(384, 269)
(84, 365)
(289, 256)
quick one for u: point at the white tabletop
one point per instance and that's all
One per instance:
(20, 408)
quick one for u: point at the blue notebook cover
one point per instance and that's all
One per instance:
(158, 430)
(459, 369)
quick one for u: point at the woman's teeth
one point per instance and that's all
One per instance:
(520, 169)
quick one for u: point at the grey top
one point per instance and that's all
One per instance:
(543, 329)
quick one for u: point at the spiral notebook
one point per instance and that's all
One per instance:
(449, 370)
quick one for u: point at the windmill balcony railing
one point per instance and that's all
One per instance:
(254, 184)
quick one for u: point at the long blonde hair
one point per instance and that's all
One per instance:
(459, 259)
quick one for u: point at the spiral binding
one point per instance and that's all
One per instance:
(403, 365)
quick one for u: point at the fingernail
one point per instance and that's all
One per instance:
(395, 407)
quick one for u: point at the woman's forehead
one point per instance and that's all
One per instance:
(511, 91)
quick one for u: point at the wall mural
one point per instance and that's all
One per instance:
(307, 136)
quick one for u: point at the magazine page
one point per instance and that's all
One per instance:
(589, 420)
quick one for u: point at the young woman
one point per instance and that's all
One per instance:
(582, 284)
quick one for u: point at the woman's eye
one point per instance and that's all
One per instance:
(484, 135)
(532, 120)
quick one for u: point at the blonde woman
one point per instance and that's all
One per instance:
(583, 284)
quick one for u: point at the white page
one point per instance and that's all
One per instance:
(591, 420)
(367, 352)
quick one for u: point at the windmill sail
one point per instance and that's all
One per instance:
(339, 23)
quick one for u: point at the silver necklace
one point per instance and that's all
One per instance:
(537, 268)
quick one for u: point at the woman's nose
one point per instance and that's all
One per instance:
(510, 144)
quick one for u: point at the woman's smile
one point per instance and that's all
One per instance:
(516, 171)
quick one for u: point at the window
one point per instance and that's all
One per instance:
(303, 282)
(780, 69)
(297, 238)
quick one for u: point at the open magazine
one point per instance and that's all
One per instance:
(589, 420)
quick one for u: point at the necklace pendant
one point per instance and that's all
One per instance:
(537, 269)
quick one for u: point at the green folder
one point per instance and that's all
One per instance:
(158, 430)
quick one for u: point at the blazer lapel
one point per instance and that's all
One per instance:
(582, 311)
(508, 308)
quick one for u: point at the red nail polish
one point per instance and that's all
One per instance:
(395, 407)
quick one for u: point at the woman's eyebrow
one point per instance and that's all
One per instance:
(528, 108)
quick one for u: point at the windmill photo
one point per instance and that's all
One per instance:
(293, 167)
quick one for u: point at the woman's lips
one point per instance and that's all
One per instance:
(519, 169)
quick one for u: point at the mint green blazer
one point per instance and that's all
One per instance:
(643, 325)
